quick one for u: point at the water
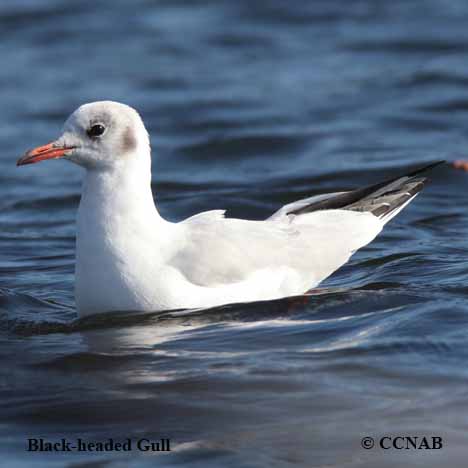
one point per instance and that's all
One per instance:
(251, 105)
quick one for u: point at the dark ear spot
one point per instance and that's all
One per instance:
(129, 141)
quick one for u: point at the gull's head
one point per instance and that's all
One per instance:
(99, 135)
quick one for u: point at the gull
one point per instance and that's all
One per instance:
(129, 258)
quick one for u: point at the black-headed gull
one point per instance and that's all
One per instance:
(129, 258)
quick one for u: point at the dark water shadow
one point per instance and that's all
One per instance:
(330, 302)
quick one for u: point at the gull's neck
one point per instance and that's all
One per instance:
(118, 200)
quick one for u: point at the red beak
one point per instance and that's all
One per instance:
(41, 153)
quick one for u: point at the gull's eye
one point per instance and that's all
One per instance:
(96, 130)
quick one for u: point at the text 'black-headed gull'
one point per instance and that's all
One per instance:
(129, 258)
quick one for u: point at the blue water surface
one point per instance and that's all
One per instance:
(250, 105)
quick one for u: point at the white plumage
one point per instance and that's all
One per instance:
(129, 258)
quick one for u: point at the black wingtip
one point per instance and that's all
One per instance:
(347, 199)
(426, 168)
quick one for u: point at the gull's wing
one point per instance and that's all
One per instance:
(302, 243)
(305, 249)
(299, 204)
(384, 200)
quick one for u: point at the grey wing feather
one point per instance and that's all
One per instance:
(382, 199)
